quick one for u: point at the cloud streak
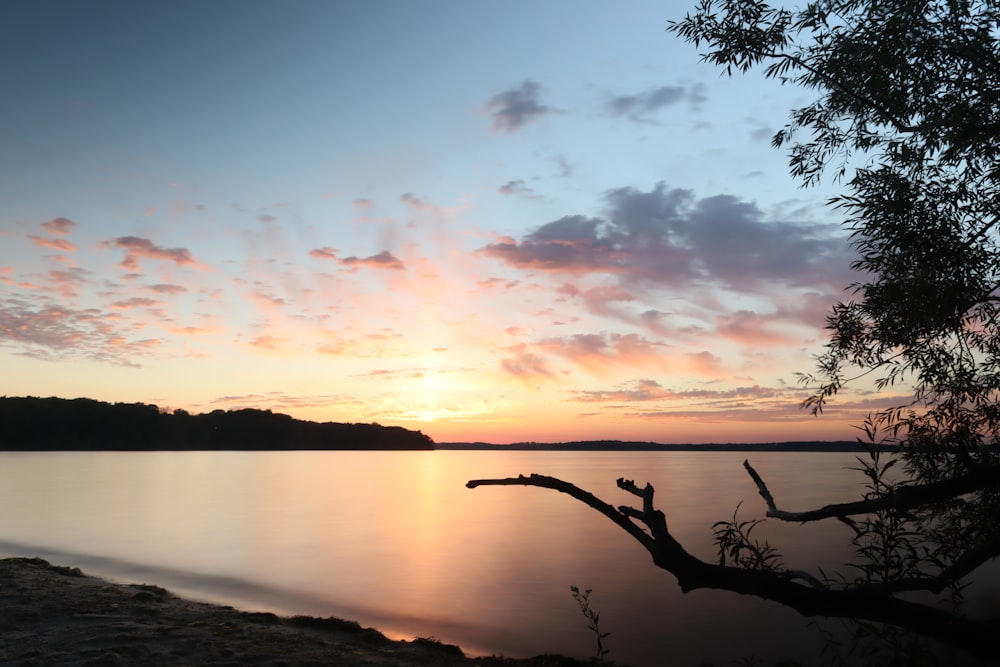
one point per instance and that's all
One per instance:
(52, 332)
(59, 226)
(382, 260)
(670, 238)
(646, 390)
(56, 244)
(137, 248)
(639, 105)
(513, 109)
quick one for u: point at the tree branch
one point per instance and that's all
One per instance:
(903, 497)
(856, 602)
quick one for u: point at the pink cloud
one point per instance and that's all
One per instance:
(383, 260)
(600, 351)
(56, 332)
(506, 283)
(641, 390)
(136, 248)
(324, 253)
(166, 288)
(525, 365)
(703, 363)
(55, 244)
(751, 328)
(600, 300)
(650, 390)
(279, 400)
(59, 225)
(267, 300)
(67, 282)
(136, 302)
(597, 353)
(189, 331)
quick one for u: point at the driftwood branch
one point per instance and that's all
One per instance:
(871, 602)
(904, 497)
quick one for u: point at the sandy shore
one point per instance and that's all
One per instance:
(56, 615)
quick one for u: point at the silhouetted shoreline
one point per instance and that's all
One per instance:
(628, 446)
(57, 615)
(83, 424)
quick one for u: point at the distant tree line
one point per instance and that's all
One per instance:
(632, 446)
(83, 424)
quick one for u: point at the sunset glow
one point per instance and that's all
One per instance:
(535, 221)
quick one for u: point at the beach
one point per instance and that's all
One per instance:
(58, 615)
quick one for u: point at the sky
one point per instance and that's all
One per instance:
(499, 222)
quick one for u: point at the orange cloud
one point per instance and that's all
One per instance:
(268, 342)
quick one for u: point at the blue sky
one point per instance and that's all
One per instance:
(495, 222)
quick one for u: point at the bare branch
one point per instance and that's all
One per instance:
(866, 602)
(904, 497)
(590, 500)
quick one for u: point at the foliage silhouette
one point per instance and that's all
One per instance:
(906, 117)
(593, 620)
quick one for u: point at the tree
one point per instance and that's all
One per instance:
(906, 117)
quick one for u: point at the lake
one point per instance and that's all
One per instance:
(396, 541)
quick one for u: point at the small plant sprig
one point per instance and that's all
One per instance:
(593, 620)
(737, 546)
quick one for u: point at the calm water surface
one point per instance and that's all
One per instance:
(395, 540)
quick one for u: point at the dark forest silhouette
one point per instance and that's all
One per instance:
(83, 424)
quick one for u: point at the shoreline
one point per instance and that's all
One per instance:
(58, 615)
